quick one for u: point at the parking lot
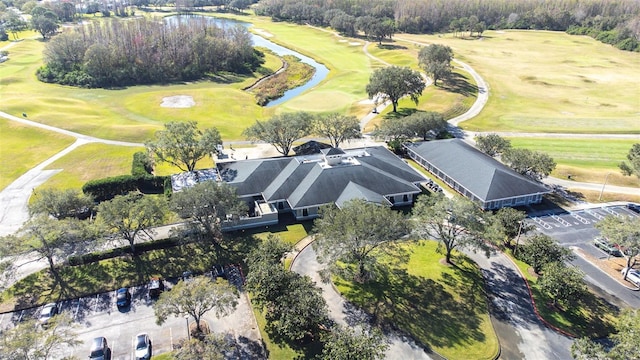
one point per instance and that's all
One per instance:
(575, 230)
(98, 315)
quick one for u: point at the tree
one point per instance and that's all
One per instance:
(44, 21)
(206, 205)
(533, 164)
(540, 249)
(392, 83)
(352, 233)
(625, 232)
(196, 297)
(295, 308)
(343, 343)
(28, 341)
(633, 166)
(337, 128)
(492, 144)
(281, 130)
(505, 225)
(182, 144)
(626, 341)
(394, 128)
(132, 216)
(455, 223)
(13, 23)
(423, 123)
(211, 347)
(562, 283)
(60, 203)
(436, 59)
(51, 239)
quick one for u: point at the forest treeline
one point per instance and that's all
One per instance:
(612, 22)
(122, 53)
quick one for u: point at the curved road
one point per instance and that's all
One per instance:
(530, 340)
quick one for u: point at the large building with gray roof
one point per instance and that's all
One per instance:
(302, 184)
(475, 175)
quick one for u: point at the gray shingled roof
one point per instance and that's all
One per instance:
(479, 173)
(355, 191)
(305, 182)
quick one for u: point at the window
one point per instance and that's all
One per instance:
(305, 212)
(405, 198)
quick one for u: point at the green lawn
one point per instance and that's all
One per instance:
(555, 82)
(22, 147)
(588, 160)
(594, 317)
(443, 307)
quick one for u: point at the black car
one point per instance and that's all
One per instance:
(99, 349)
(123, 297)
(633, 207)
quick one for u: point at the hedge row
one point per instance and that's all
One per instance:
(116, 252)
(108, 188)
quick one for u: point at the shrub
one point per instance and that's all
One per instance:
(108, 188)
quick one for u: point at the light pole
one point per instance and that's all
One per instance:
(603, 185)
(188, 332)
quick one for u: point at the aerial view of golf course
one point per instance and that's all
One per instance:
(92, 93)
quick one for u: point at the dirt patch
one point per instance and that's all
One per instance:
(444, 262)
(178, 101)
(612, 266)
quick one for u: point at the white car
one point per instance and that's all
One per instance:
(633, 275)
(143, 347)
(47, 312)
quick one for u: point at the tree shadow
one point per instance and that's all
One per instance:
(423, 309)
(457, 83)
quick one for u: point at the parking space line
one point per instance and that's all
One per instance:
(171, 338)
(75, 314)
(580, 218)
(20, 317)
(542, 223)
(611, 211)
(594, 214)
(95, 305)
(560, 220)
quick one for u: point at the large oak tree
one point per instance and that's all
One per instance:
(281, 130)
(455, 222)
(436, 59)
(394, 82)
(352, 233)
(196, 297)
(182, 144)
(337, 128)
(624, 231)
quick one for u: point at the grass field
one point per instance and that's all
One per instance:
(544, 81)
(23, 147)
(586, 160)
(442, 307)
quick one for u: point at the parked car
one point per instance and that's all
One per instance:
(633, 275)
(156, 287)
(607, 247)
(143, 347)
(99, 349)
(187, 275)
(123, 297)
(47, 312)
(633, 207)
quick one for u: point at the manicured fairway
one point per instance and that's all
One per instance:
(544, 81)
(91, 161)
(22, 147)
(586, 160)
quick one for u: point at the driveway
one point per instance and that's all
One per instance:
(522, 335)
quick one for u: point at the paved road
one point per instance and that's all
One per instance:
(522, 335)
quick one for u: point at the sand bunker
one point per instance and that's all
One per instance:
(263, 33)
(354, 43)
(178, 101)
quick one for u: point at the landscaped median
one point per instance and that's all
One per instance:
(443, 307)
(592, 317)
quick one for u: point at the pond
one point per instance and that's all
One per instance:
(319, 75)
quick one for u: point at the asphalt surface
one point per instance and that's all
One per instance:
(98, 315)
